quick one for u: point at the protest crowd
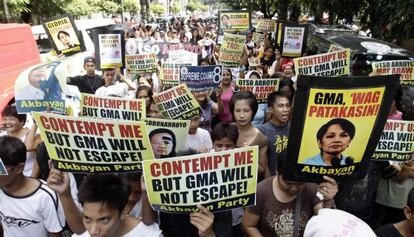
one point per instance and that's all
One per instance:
(201, 137)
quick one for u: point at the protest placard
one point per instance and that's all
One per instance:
(333, 48)
(402, 67)
(63, 35)
(141, 63)
(112, 108)
(161, 49)
(42, 87)
(258, 38)
(328, 64)
(231, 50)
(201, 78)
(176, 129)
(86, 145)
(234, 21)
(177, 103)
(182, 56)
(336, 125)
(3, 170)
(293, 39)
(253, 61)
(218, 180)
(109, 48)
(396, 142)
(265, 25)
(261, 88)
(170, 73)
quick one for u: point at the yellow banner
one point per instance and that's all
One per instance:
(112, 107)
(327, 64)
(234, 21)
(261, 88)
(141, 63)
(357, 110)
(397, 141)
(218, 180)
(266, 25)
(177, 103)
(85, 145)
(231, 50)
(402, 67)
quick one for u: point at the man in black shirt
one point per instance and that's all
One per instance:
(404, 228)
(90, 82)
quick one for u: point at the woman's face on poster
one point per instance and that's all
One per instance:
(64, 38)
(335, 140)
(162, 144)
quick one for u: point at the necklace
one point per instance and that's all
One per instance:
(91, 86)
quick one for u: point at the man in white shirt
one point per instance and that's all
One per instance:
(111, 88)
(27, 206)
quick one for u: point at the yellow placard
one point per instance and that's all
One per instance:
(218, 180)
(85, 145)
(327, 64)
(112, 107)
(177, 103)
(402, 67)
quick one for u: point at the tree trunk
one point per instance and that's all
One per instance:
(283, 12)
(6, 11)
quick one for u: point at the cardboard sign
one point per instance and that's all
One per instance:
(266, 25)
(258, 38)
(177, 129)
(253, 61)
(293, 39)
(333, 48)
(234, 21)
(170, 73)
(112, 108)
(396, 142)
(109, 48)
(231, 50)
(182, 56)
(42, 87)
(161, 49)
(219, 180)
(327, 64)
(85, 145)
(261, 88)
(3, 170)
(201, 78)
(63, 35)
(177, 103)
(142, 63)
(336, 125)
(402, 67)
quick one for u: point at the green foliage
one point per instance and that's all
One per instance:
(157, 9)
(79, 8)
(175, 8)
(131, 6)
(196, 5)
(109, 7)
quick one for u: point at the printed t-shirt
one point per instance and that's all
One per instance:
(140, 230)
(277, 137)
(277, 218)
(33, 215)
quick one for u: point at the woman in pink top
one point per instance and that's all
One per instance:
(227, 92)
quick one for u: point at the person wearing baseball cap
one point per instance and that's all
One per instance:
(90, 82)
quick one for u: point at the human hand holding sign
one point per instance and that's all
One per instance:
(203, 220)
(328, 189)
(59, 182)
